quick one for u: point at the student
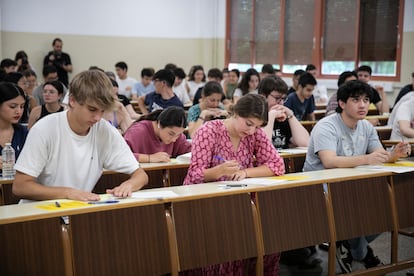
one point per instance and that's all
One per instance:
(49, 73)
(302, 102)
(248, 84)
(65, 152)
(333, 101)
(403, 125)
(295, 80)
(125, 82)
(208, 109)
(31, 81)
(157, 136)
(196, 79)
(267, 70)
(234, 149)
(124, 100)
(145, 86)
(8, 65)
(118, 117)
(60, 60)
(379, 99)
(179, 86)
(346, 140)
(283, 129)
(12, 101)
(163, 96)
(320, 92)
(52, 95)
(214, 74)
(406, 89)
(231, 85)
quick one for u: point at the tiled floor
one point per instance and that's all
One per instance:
(381, 247)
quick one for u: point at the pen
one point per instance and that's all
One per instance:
(218, 157)
(103, 202)
(57, 204)
(236, 185)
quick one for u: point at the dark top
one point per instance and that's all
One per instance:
(301, 110)
(124, 100)
(154, 101)
(19, 137)
(45, 112)
(62, 59)
(403, 91)
(281, 135)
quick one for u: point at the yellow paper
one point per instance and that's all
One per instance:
(63, 205)
(290, 177)
(400, 164)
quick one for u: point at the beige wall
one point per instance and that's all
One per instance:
(105, 51)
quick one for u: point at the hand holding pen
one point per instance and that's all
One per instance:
(227, 168)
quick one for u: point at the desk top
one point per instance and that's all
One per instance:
(29, 211)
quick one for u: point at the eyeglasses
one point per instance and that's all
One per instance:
(278, 98)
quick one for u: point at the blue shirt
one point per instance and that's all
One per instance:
(154, 101)
(141, 90)
(301, 110)
(19, 138)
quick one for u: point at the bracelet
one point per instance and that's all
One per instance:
(149, 158)
(289, 116)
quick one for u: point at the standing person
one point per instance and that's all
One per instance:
(283, 129)
(12, 101)
(302, 102)
(80, 144)
(248, 84)
(163, 96)
(379, 99)
(346, 140)
(125, 83)
(234, 149)
(52, 94)
(60, 60)
(157, 136)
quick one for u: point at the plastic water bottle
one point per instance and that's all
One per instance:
(8, 158)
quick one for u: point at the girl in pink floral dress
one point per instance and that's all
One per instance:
(234, 149)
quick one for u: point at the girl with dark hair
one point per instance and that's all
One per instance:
(248, 84)
(196, 79)
(12, 101)
(157, 136)
(52, 95)
(234, 149)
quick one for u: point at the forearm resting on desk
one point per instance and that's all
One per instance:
(25, 186)
(138, 180)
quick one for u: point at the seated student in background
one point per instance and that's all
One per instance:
(52, 95)
(267, 70)
(209, 108)
(157, 136)
(403, 126)
(406, 89)
(283, 129)
(196, 79)
(12, 100)
(125, 101)
(125, 82)
(295, 80)
(406, 97)
(247, 85)
(179, 86)
(379, 99)
(234, 149)
(144, 86)
(346, 140)
(333, 101)
(118, 117)
(214, 74)
(163, 96)
(231, 85)
(65, 152)
(302, 102)
(320, 92)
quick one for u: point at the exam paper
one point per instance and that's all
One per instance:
(256, 181)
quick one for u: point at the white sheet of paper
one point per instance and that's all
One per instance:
(157, 194)
(256, 181)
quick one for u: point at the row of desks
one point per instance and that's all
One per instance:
(205, 224)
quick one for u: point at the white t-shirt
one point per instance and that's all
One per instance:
(123, 84)
(57, 156)
(404, 113)
(181, 93)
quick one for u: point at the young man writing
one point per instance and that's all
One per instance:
(65, 153)
(346, 140)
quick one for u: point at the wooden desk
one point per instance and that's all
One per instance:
(308, 125)
(382, 119)
(384, 132)
(294, 158)
(319, 114)
(341, 204)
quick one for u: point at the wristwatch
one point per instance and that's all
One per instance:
(289, 116)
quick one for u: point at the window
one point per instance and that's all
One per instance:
(335, 35)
